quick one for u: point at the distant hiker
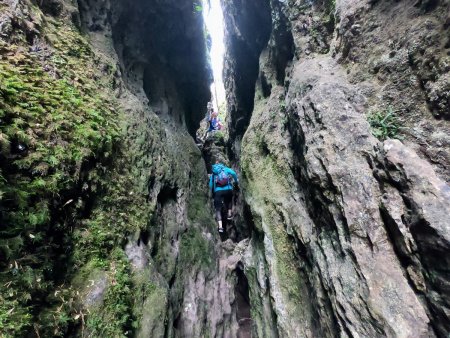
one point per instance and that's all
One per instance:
(221, 184)
(214, 124)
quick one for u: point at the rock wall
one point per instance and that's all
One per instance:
(349, 226)
(106, 228)
(105, 224)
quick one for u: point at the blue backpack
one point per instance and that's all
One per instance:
(222, 179)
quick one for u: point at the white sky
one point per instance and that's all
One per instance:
(214, 21)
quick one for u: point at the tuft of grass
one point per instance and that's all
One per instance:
(384, 124)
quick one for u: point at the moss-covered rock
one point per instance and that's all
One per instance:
(87, 166)
(195, 250)
(57, 134)
(115, 316)
(267, 173)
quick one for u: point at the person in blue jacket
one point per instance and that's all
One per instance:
(214, 124)
(221, 184)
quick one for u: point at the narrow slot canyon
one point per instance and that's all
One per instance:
(334, 115)
(243, 314)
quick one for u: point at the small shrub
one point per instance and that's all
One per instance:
(219, 136)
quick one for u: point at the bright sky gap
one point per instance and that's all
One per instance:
(213, 17)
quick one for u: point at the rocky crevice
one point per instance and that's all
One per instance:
(142, 256)
(147, 57)
(246, 39)
(336, 233)
(322, 189)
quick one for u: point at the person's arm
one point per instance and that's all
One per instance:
(210, 181)
(233, 174)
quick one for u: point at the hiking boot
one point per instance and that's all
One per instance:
(230, 215)
(220, 230)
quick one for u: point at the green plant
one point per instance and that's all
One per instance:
(333, 6)
(14, 318)
(219, 136)
(384, 124)
(197, 7)
(223, 111)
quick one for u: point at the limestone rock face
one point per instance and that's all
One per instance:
(350, 233)
(126, 245)
(186, 276)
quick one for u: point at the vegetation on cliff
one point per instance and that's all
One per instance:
(58, 135)
(85, 165)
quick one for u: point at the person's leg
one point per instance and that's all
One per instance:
(208, 131)
(218, 198)
(228, 198)
(205, 136)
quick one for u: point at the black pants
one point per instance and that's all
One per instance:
(220, 197)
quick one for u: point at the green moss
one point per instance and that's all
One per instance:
(198, 209)
(166, 260)
(287, 268)
(115, 317)
(271, 189)
(76, 190)
(150, 305)
(59, 124)
(333, 6)
(219, 136)
(268, 179)
(195, 250)
(110, 225)
(57, 131)
(255, 298)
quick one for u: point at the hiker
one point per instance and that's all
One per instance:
(214, 124)
(220, 182)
